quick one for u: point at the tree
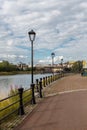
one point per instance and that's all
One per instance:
(5, 66)
(77, 67)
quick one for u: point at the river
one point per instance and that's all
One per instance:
(16, 81)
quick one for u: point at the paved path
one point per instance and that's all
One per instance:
(64, 111)
(69, 83)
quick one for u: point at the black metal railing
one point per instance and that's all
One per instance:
(15, 104)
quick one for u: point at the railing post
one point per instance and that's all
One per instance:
(41, 82)
(51, 78)
(21, 109)
(46, 81)
(37, 85)
(57, 76)
(54, 77)
(40, 91)
(33, 96)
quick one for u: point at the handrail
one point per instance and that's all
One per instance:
(8, 97)
(9, 106)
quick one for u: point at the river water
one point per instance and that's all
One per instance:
(15, 81)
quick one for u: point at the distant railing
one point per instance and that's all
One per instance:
(15, 104)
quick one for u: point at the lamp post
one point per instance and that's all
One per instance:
(62, 65)
(53, 55)
(32, 35)
(62, 62)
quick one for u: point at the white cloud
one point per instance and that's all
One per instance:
(84, 5)
(9, 42)
(60, 27)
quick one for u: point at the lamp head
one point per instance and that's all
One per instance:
(32, 35)
(52, 54)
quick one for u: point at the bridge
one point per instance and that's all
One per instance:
(64, 106)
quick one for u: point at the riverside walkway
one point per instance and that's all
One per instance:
(64, 107)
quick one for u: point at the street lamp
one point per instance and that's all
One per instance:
(32, 35)
(53, 55)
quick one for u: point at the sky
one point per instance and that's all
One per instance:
(60, 26)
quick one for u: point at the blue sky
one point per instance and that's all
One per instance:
(60, 26)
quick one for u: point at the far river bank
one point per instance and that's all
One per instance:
(19, 72)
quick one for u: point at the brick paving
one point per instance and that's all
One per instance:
(64, 110)
(73, 82)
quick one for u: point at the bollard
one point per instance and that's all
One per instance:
(37, 85)
(21, 109)
(33, 96)
(40, 91)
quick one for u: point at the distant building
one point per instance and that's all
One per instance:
(22, 66)
(55, 67)
(84, 64)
